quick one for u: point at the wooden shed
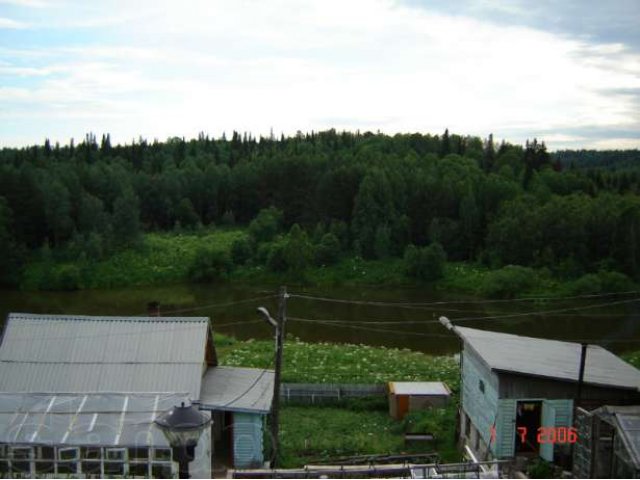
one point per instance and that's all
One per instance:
(518, 392)
(407, 397)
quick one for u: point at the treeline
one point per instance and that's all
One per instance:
(371, 195)
(604, 159)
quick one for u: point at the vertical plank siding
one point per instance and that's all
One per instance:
(481, 407)
(247, 440)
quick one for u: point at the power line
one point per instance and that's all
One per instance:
(449, 302)
(250, 387)
(546, 312)
(360, 327)
(212, 305)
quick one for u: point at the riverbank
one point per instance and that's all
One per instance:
(169, 258)
(356, 427)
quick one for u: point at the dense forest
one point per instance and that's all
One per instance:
(325, 194)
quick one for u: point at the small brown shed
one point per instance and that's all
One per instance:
(411, 396)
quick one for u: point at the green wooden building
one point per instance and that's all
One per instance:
(518, 393)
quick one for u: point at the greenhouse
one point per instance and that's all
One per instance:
(92, 435)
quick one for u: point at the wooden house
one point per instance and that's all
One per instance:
(518, 393)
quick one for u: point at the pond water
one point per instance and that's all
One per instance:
(394, 321)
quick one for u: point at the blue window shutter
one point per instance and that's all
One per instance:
(505, 429)
(548, 420)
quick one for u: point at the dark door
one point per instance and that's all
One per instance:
(528, 418)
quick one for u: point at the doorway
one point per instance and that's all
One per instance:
(222, 436)
(528, 421)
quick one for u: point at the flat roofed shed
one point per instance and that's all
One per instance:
(419, 388)
(75, 354)
(549, 358)
(247, 390)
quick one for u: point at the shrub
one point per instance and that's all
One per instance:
(210, 265)
(328, 250)
(540, 469)
(425, 263)
(276, 259)
(241, 251)
(508, 281)
(586, 284)
(603, 281)
(615, 282)
(298, 251)
(266, 224)
(66, 277)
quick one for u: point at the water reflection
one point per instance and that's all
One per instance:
(362, 317)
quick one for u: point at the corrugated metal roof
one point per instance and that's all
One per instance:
(419, 388)
(61, 353)
(110, 420)
(550, 358)
(237, 389)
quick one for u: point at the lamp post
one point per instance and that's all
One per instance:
(277, 323)
(182, 427)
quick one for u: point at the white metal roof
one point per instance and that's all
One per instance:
(550, 358)
(110, 420)
(237, 389)
(63, 353)
(419, 388)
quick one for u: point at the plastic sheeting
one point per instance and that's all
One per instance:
(117, 419)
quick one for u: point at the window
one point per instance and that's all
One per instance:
(91, 469)
(70, 454)
(92, 453)
(45, 453)
(162, 454)
(116, 454)
(3, 451)
(114, 468)
(481, 385)
(21, 453)
(138, 454)
(160, 470)
(139, 470)
(45, 457)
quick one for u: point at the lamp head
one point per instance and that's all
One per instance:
(267, 317)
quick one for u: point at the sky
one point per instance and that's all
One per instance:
(566, 72)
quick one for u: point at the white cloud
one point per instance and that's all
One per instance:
(8, 23)
(178, 68)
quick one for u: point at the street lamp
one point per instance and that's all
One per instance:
(277, 323)
(182, 427)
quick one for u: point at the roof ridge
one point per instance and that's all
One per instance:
(103, 318)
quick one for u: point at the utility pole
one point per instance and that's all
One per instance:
(279, 325)
(583, 360)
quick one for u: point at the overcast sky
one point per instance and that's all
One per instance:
(565, 71)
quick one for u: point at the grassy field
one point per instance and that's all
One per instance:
(332, 363)
(355, 427)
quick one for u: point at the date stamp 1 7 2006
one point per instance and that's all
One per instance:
(560, 435)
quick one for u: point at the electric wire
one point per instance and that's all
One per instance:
(449, 302)
(212, 305)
